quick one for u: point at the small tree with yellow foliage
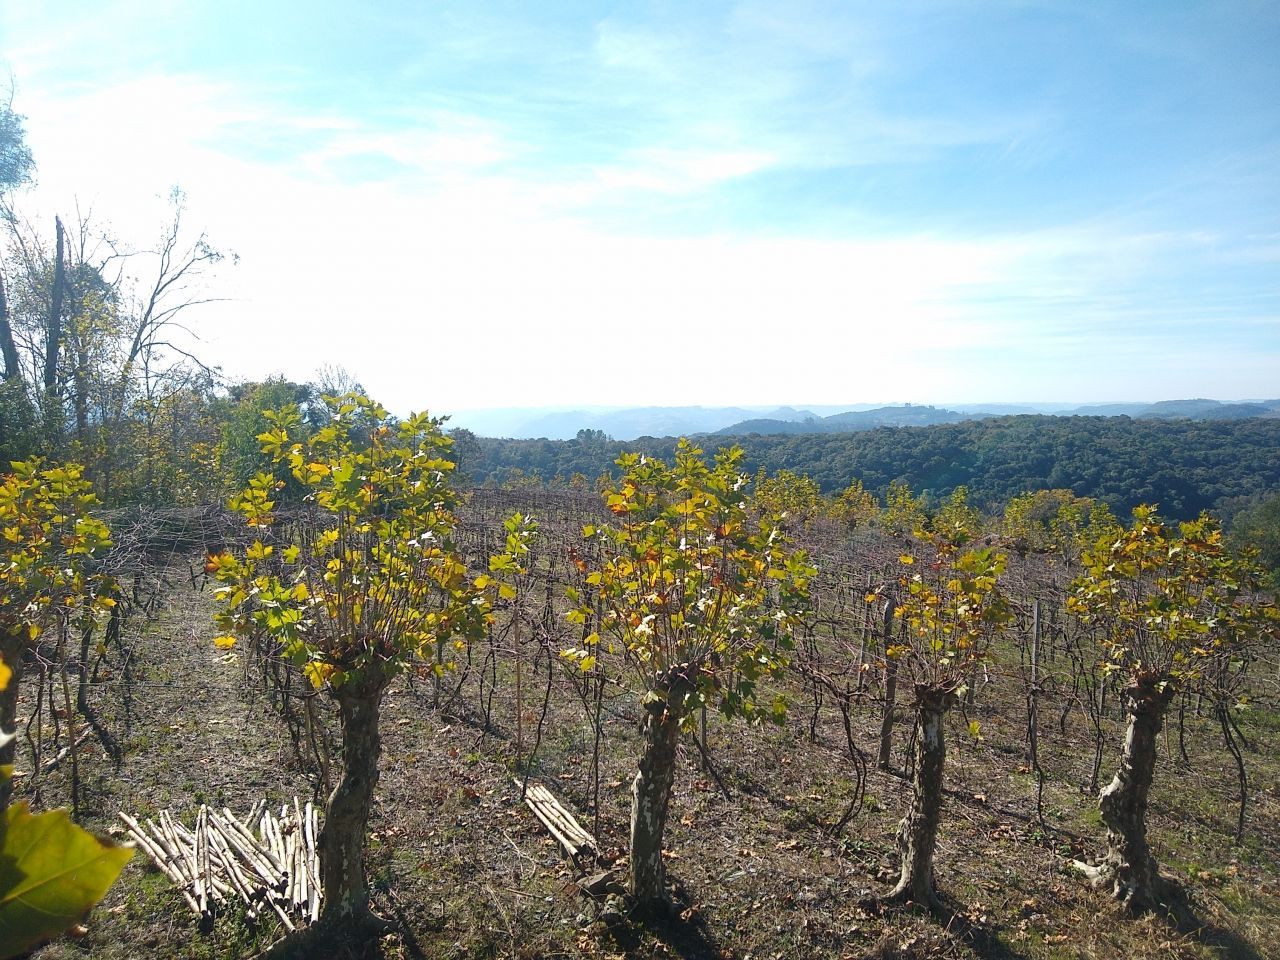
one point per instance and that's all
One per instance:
(360, 583)
(1171, 604)
(50, 547)
(904, 514)
(698, 595)
(953, 609)
(854, 506)
(51, 871)
(787, 493)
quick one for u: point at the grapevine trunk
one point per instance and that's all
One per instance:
(918, 832)
(342, 840)
(650, 797)
(1129, 869)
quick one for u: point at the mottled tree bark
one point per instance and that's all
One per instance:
(918, 832)
(1129, 870)
(650, 797)
(342, 839)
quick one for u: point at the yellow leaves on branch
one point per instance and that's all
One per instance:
(694, 585)
(318, 672)
(51, 538)
(366, 576)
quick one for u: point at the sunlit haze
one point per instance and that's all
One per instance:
(472, 204)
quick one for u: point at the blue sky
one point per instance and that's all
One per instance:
(483, 204)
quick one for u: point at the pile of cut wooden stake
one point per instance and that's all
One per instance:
(221, 859)
(560, 823)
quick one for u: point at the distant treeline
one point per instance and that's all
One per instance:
(1184, 466)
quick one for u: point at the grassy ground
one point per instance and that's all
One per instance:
(459, 862)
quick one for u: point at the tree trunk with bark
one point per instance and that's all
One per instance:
(918, 832)
(11, 649)
(1129, 870)
(650, 797)
(53, 333)
(342, 839)
(8, 349)
(890, 689)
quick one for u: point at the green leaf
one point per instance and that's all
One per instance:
(51, 874)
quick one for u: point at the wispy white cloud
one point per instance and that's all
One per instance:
(564, 243)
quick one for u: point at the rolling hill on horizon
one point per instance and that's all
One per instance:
(910, 415)
(632, 423)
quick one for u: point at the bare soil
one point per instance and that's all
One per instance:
(466, 872)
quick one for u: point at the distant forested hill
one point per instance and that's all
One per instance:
(907, 415)
(1186, 466)
(915, 415)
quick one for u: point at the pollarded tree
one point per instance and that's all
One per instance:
(360, 583)
(956, 520)
(1169, 604)
(854, 506)
(51, 871)
(904, 514)
(953, 609)
(50, 545)
(699, 596)
(787, 492)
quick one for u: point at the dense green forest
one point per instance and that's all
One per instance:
(1185, 466)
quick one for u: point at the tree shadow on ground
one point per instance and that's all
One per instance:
(325, 943)
(1180, 912)
(982, 938)
(676, 925)
(953, 923)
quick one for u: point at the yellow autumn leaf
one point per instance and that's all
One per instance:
(224, 642)
(317, 672)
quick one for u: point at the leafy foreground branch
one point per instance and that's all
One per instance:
(51, 871)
